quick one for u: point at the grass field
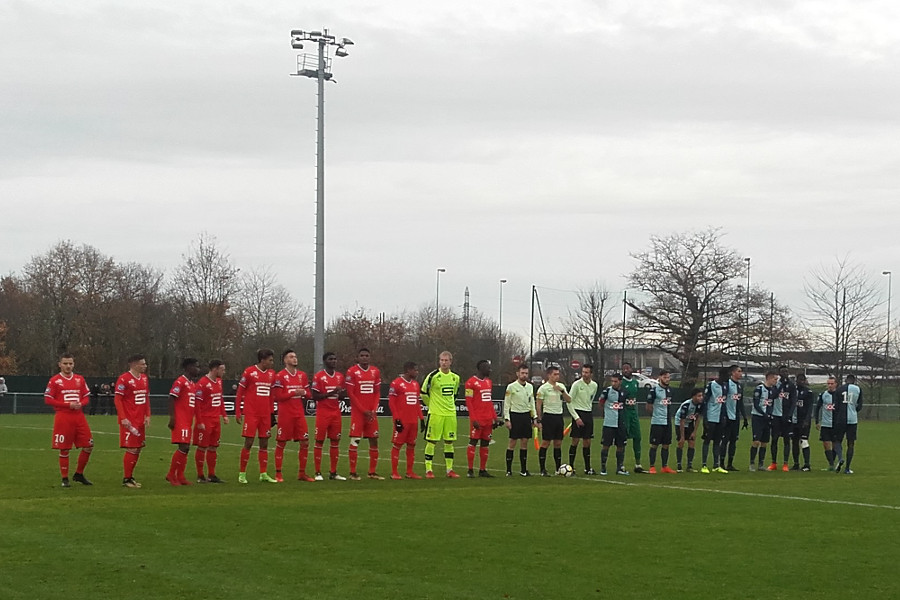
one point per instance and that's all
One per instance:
(741, 535)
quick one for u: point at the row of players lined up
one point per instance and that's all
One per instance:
(197, 413)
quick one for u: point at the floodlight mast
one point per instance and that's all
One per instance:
(320, 73)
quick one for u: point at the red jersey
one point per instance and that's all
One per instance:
(325, 384)
(133, 398)
(363, 387)
(479, 400)
(405, 400)
(254, 393)
(208, 398)
(183, 391)
(285, 389)
(62, 390)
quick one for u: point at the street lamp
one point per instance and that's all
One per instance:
(747, 323)
(318, 67)
(887, 341)
(500, 331)
(437, 300)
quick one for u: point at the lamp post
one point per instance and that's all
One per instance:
(747, 315)
(318, 67)
(437, 300)
(500, 331)
(887, 341)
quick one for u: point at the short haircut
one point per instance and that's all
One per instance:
(664, 372)
(627, 363)
(801, 377)
(588, 366)
(850, 378)
(264, 353)
(409, 366)
(771, 373)
(696, 391)
(446, 353)
(361, 350)
(551, 369)
(724, 372)
(832, 378)
(523, 366)
(327, 355)
(185, 363)
(482, 362)
(215, 364)
(135, 358)
(66, 355)
(286, 352)
(733, 368)
(616, 376)
(780, 367)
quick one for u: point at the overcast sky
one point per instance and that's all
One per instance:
(541, 142)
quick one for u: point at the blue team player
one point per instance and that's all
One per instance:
(686, 418)
(615, 429)
(824, 412)
(714, 420)
(659, 398)
(782, 411)
(761, 418)
(845, 418)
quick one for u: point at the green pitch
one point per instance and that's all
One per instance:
(741, 535)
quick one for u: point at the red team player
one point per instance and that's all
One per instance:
(405, 402)
(290, 390)
(482, 417)
(328, 390)
(133, 410)
(363, 383)
(209, 416)
(253, 404)
(68, 394)
(182, 408)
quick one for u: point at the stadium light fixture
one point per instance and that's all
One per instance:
(318, 67)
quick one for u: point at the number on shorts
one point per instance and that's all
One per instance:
(59, 438)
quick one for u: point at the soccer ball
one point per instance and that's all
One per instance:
(566, 470)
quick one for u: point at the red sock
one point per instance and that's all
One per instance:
(410, 457)
(279, 456)
(263, 460)
(333, 454)
(470, 455)
(245, 458)
(64, 463)
(303, 456)
(395, 459)
(129, 462)
(483, 455)
(83, 457)
(317, 457)
(199, 459)
(181, 466)
(173, 466)
(353, 454)
(373, 460)
(211, 456)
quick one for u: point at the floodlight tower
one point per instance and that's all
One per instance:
(318, 67)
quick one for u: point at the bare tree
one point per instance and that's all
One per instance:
(693, 305)
(590, 325)
(842, 300)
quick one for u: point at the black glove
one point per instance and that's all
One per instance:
(422, 425)
(398, 426)
(744, 426)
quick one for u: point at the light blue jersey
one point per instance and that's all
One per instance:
(715, 399)
(733, 399)
(687, 412)
(852, 394)
(826, 406)
(613, 405)
(660, 398)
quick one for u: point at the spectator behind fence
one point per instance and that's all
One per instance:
(3, 388)
(95, 398)
(105, 402)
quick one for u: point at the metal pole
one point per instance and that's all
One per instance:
(747, 323)
(887, 341)
(624, 316)
(771, 324)
(437, 300)
(319, 335)
(500, 332)
(531, 337)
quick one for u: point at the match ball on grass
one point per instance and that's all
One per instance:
(566, 470)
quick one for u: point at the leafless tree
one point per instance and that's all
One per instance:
(591, 326)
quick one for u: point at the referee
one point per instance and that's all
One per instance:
(519, 418)
(583, 392)
(550, 399)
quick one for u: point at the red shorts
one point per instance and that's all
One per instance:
(480, 434)
(328, 425)
(361, 427)
(131, 440)
(408, 435)
(182, 433)
(71, 430)
(257, 426)
(292, 429)
(209, 437)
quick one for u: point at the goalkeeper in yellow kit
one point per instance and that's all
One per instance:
(439, 394)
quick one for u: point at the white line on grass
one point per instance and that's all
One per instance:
(738, 493)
